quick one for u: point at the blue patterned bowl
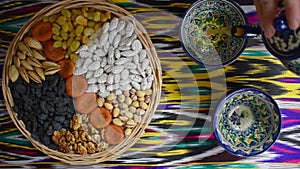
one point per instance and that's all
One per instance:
(247, 122)
(285, 44)
(292, 65)
(206, 32)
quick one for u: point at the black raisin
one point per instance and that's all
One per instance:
(57, 126)
(20, 88)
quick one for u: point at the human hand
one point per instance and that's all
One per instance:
(267, 11)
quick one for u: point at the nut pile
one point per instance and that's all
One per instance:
(128, 108)
(30, 62)
(78, 140)
(75, 27)
(116, 61)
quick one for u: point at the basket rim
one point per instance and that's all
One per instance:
(156, 86)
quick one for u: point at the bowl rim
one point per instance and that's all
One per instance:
(241, 90)
(198, 61)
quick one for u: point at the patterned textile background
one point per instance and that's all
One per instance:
(180, 132)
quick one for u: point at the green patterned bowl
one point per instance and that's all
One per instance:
(247, 122)
(206, 32)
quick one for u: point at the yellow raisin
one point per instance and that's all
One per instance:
(91, 24)
(73, 57)
(84, 8)
(57, 37)
(98, 26)
(85, 39)
(65, 27)
(46, 18)
(61, 20)
(85, 13)
(69, 41)
(103, 18)
(64, 35)
(57, 44)
(79, 30)
(74, 46)
(81, 20)
(88, 31)
(56, 30)
(72, 34)
(75, 11)
(64, 45)
(66, 13)
(96, 16)
(90, 16)
(52, 18)
(70, 26)
(78, 38)
(108, 14)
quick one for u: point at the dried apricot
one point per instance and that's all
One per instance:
(86, 103)
(67, 68)
(100, 117)
(52, 53)
(76, 85)
(42, 31)
(113, 134)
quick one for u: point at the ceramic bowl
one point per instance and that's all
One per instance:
(206, 32)
(247, 122)
(285, 44)
(292, 65)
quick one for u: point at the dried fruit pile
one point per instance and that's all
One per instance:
(83, 77)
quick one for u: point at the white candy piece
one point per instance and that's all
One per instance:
(94, 66)
(129, 29)
(117, 69)
(106, 27)
(114, 23)
(121, 25)
(92, 88)
(98, 72)
(121, 61)
(112, 35)
(116, 61)
(104, 38)
(136, 45)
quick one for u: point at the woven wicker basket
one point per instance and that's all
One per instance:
(129, 141)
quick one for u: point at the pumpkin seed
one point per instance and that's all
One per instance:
(49, 64)
(21, 55)
(36, 54)
(24, 49)
(23, 74)
(13, 73)
(34, 62)
(26, 65)
(51, 71)
(40, 72)
(16, 61)
(33, 76)
(33, 43)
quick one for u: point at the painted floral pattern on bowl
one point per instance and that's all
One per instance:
(206, 31)
(247, 122)
(292, 65)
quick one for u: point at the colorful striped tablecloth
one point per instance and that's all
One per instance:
(180, 133)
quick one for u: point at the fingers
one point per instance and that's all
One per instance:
(266, 11)
(292, 12)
